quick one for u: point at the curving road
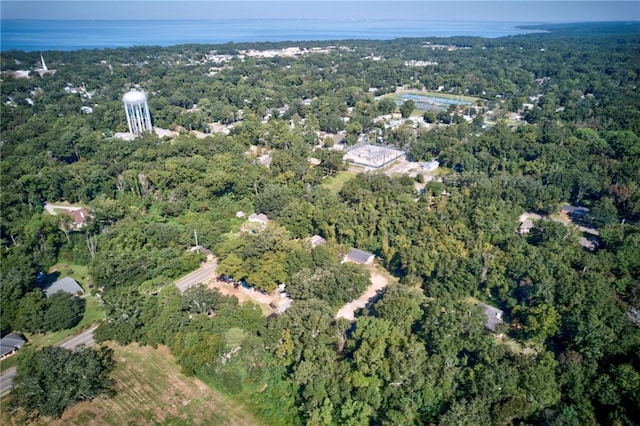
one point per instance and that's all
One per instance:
(204, 273)
(84, 338)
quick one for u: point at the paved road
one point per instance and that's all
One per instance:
(51, 208)
(84, 338)
(204, 273)
(6, 380)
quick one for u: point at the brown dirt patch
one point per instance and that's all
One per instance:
(244, 295)
(379, 280)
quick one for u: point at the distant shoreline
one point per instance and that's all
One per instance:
(67, 35)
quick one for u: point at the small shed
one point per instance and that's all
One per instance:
(66, 284)
(359, 256)
(10, 343)
(317, 240)
(494, 316)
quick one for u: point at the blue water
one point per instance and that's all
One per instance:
(430, 100)
(40, 35)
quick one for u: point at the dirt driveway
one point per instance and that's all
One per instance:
(378, 282)
(244, 294)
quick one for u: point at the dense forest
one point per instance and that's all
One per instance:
(568, 352)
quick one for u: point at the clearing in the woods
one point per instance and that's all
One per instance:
(152, 390)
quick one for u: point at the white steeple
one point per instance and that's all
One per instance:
(44, 66)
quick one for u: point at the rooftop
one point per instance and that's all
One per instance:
(360, 256)
(261, 217)
(10, 343)
(494, 316)
(317, 240)
(66, 284)
(574, 210)
(79, 216)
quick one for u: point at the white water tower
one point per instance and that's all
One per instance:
(137, 109)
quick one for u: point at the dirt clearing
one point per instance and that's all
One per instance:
(379, 280)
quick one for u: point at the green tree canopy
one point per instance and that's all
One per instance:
(51, 379)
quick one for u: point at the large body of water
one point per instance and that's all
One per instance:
(41, 35)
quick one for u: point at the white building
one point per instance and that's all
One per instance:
(260, 218)
(137, 109)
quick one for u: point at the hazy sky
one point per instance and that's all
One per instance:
(467, 10)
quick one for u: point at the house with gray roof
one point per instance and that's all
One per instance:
(359, 256)
(574, 211)
(494, 316)
(10, 343)
(66, 284)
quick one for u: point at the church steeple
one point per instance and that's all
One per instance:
(44, 66)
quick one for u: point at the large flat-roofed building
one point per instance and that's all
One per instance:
(373, 156)
(137, 109)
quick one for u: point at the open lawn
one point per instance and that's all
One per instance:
(335, 183)
(79, 273)
(93, 313)
(441, 171)
(151, 390)
(9, 362)
(93, 310)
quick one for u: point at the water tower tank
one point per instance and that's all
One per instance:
(137, 110)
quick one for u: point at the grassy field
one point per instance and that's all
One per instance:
(7, 363)
(441, 171)
(335, 183)
(151, 390)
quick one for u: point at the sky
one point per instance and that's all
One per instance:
(434, 10)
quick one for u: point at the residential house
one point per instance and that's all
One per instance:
(10, 343)
(359, 256)
(79, 216)
(66, 284)
(574, 211)
(526, 227)
(260, 218)
(494, 316)
(430, 166)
